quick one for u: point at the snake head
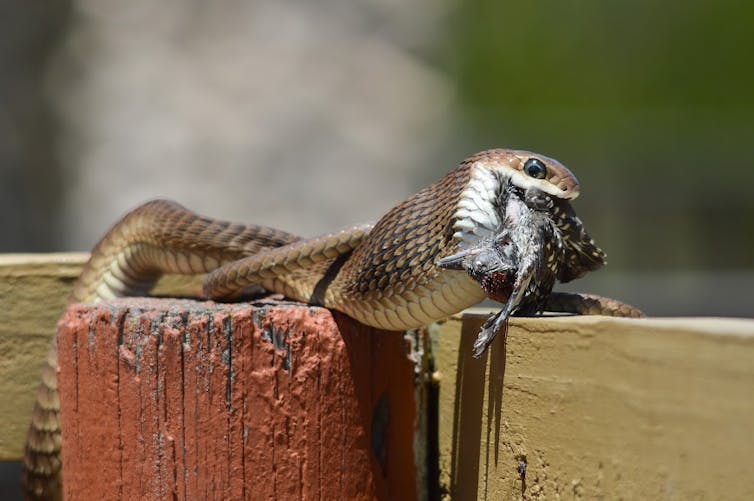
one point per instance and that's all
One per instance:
(527, 170)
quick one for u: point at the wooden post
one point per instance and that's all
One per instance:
(179, 399)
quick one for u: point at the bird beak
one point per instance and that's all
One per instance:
(454, 261)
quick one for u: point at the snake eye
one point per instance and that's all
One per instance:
(535, 168)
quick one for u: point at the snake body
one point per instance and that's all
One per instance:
(384, 275)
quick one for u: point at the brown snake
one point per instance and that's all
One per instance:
(384, 275)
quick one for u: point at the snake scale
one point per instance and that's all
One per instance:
(384, 275)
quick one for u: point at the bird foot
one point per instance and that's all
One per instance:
(490, 329)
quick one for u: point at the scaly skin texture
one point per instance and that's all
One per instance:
(385, 275)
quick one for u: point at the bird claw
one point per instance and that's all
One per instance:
(490, 329)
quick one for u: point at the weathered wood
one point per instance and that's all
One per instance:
(196, 400)
(599, 408)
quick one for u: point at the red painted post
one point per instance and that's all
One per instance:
(179, 399)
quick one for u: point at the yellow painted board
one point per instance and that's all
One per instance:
(33, 293)
(598, 408)
(33, 290)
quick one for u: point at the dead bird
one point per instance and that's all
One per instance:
(540, 240)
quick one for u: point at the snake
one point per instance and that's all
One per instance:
(385, 275)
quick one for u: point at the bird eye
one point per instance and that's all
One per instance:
(535, 168)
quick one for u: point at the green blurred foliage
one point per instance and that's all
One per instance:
(651, 104)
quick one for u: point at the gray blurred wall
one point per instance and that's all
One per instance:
(307, 116)
(30, 33)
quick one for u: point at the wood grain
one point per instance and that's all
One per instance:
(198, 400)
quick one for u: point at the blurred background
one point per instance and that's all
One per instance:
(311, 116)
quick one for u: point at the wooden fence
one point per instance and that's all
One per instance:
(313, 404)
